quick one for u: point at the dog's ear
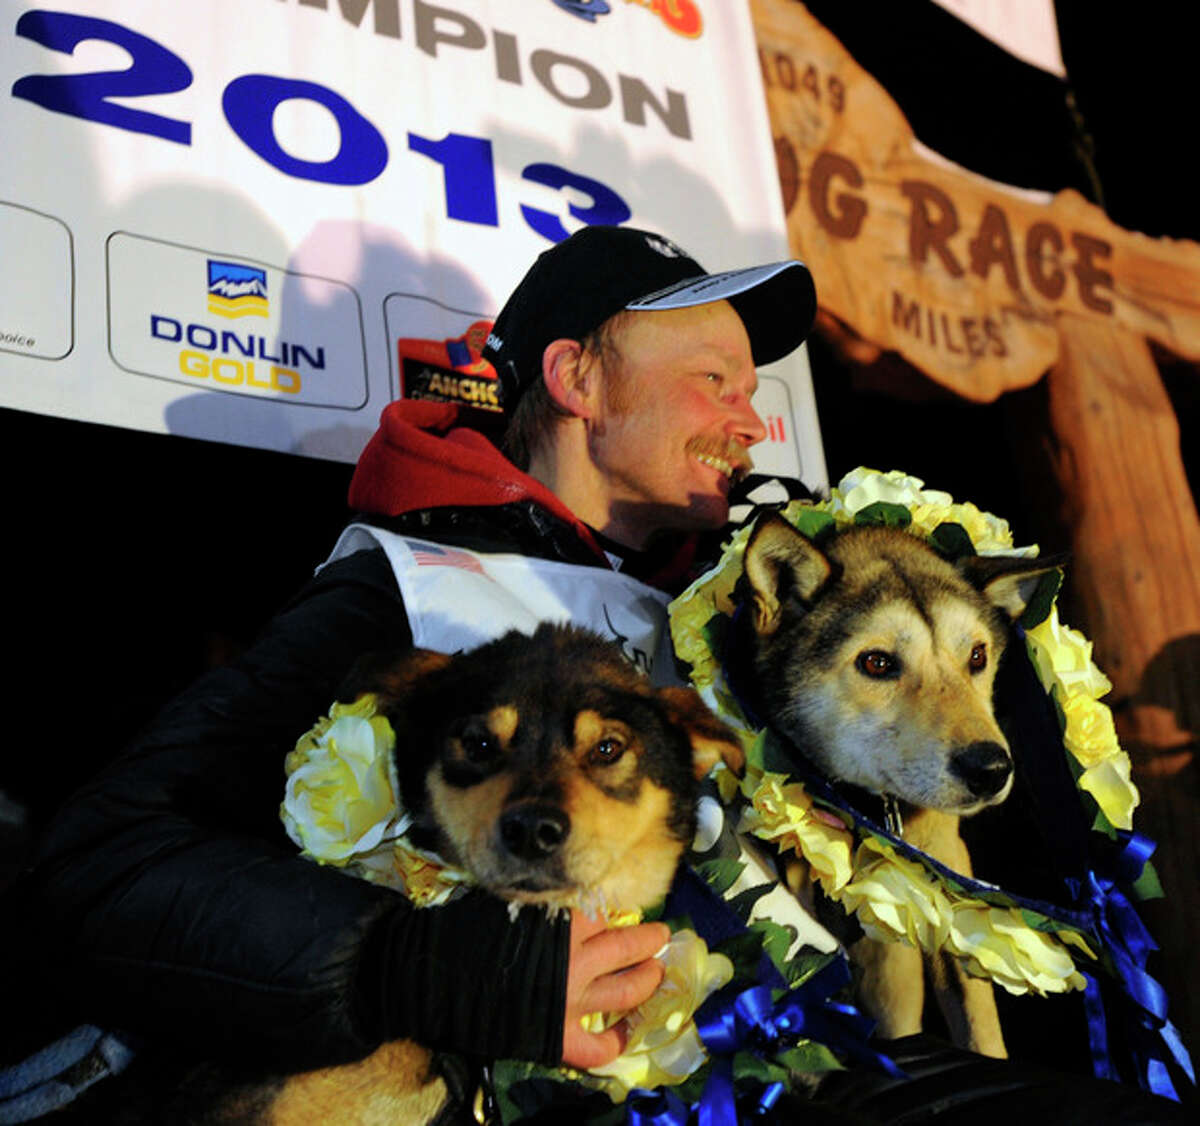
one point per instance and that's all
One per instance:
(712, 740)
(1007, 581)
(780, 560)
(391, 676)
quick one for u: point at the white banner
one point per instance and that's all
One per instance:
(258, 221)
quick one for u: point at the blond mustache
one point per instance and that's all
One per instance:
(731, 452)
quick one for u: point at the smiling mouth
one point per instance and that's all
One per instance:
(733, 464)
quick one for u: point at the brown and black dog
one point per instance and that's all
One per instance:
(876, 657)
(552, 772)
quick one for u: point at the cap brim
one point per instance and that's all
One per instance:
(777, 303)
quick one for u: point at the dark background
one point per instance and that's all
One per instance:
(135, 561)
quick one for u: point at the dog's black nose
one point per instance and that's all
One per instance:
(533, 832)
(984, 767)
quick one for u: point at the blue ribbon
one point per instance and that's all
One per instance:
(763, 1019)
(755, 1020)
(1128, 945)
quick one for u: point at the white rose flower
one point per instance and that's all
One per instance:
(341, 795)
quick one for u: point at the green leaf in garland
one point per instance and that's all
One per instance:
(1100, 823)
(811, 522)
(952, 540)
(1037, 610)
(654, 914)
(720, 874)
(505, 1075)
(754, 753)
(690, 1090)
(889, 515)
(744, 951)
(949, 881)
(807, 1057)
(806, 963)
(776, 941)
(1034, 920)
(525, 1089)
(748, 1065)
(743, 903)
(1147, 885)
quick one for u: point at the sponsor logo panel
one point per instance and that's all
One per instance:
(217, 323)
(37, 283)
(437, 349)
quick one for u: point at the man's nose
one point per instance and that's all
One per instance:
(744, 423)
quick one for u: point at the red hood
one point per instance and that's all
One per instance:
(419, 458)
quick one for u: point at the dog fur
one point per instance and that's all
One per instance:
(876, 657)
(550, 770)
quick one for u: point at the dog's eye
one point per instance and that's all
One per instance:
(479, 747)
(878, 664)
(606, 752)
(977, 661)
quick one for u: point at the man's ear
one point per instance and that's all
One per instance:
(570, 376)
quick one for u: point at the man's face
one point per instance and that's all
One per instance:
(674, 421)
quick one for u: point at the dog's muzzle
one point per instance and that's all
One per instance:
(534, 831)
(985, 767)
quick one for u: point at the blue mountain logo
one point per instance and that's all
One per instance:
(235, 290)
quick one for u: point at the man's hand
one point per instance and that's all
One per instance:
(610, 970)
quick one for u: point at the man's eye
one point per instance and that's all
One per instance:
(606, 752)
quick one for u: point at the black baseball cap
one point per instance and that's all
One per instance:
(576, 285)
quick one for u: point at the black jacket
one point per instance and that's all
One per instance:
(184, 911)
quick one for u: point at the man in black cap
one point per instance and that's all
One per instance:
(184, 912)
(628, 373)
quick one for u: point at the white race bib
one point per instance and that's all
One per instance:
(458, 599)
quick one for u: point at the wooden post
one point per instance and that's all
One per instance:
(1135, 575)
(1134, 583)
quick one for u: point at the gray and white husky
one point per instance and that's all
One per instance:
(876, 658)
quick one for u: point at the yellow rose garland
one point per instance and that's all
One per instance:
(894, 898)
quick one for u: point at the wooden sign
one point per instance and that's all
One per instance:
(986, 288)
(961, 275)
